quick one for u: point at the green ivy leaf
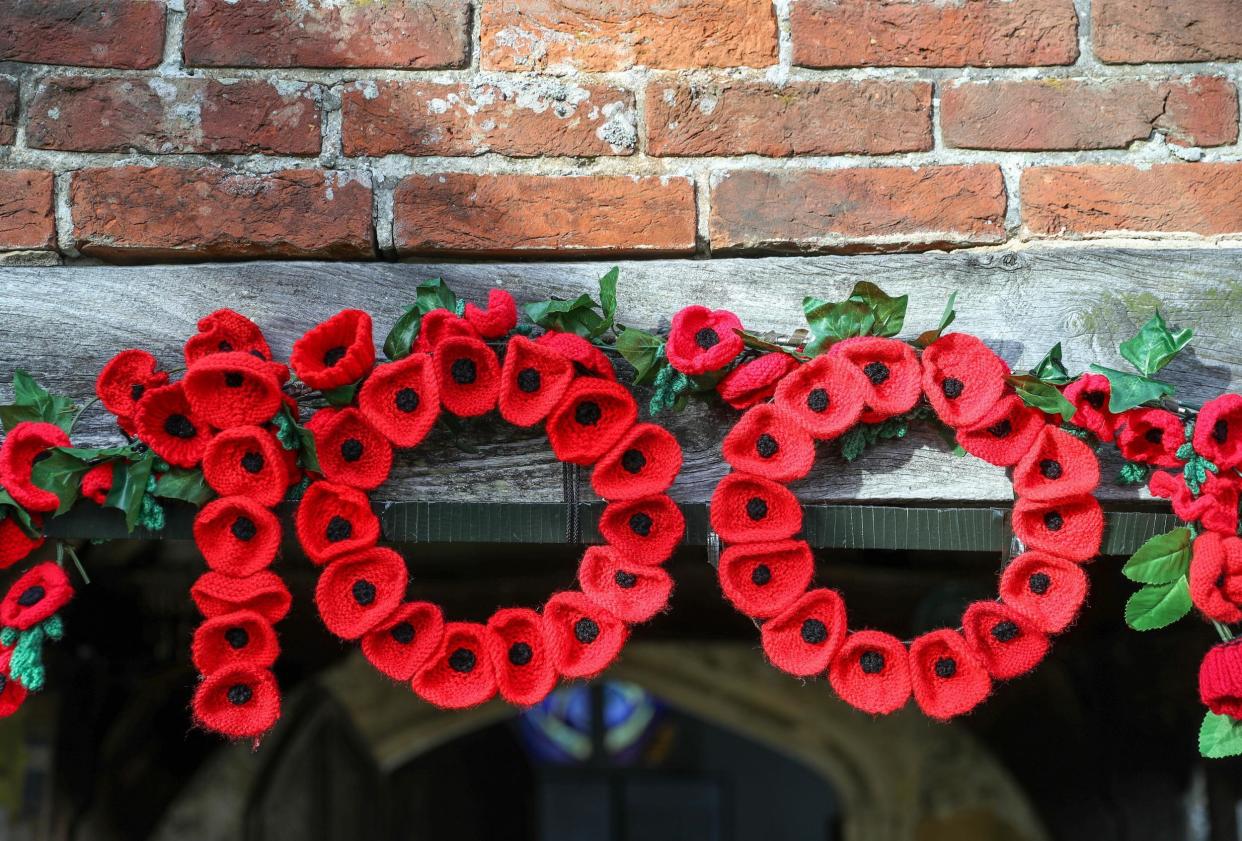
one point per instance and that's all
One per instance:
(1050, 369)
(831, 322)
(1161, 560)
(929, 336)
(1154, 346)
(61, 473)
(889, 312)
(186, 485)
(582, 315)
(435, 294)
(10, 508)
(129, 484)
(1130, 390)
(1158, 605)
(400, 338)
(33, 402)
(642, 350)
(1040, 395)
(1220, 736)
(341, 395)
(608, 295)
(294, 436)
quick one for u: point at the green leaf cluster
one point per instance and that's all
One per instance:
(1220, 736)
(1149, 350)
(432, 294)
(1041, 395)
(33, 402)
(1161, 566)
(644, 351)
(864, 435)
(868, 311)
(582, 316)
(294, 436)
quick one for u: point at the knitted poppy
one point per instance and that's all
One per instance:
(12, 693)
(702, 340)
(359, 591)
(240, 702)
(438, 325)
(1047, 590)
(350, 450)
(40, 592)
(947, 678)
(521, 656)
(1151, 436)
(15, 544)
(402, 399)
(469, 376)
(243, 638)
(334, 520)
(631, 592)
(215, 594)
(1216, 577)
(644, 462)
(892, 372)
(1220, 679)
(826, 395)
(803, 638)
(645, 530)
(236, 535)
(749, 509)
(962, 378)
(405, 640)
(498, 319)
(1005, 434)
(246, 461)
(225, 331)
(23, 446)
(97, 482)
(769, 442)
(871, 672)
(762, 579)
(1216, 506)
(586, 357)
(335, 352)
(582, 637)
(1059, 465)
(590, 419)
(755, 381)
(1069, 528)
(125, 378)
(170, 427)
(1090, 394)
(1007, 642)
(1218, 431)
(234, 389)
(532, 381)
(459, 674)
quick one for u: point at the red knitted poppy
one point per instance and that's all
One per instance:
(1220, 679)
(25, 443)
(402, 399)
(1047, 590)
(826, 395)
(520, 656)
(97, 482)
(12, 693)
(350, 450)
(755, 381)
(224, 331)
(582, 637)
(334, 520)
(170, 427)
(498, 319)
(459, 674)
(438, 325)
(962, 378)
(644, 462)
(1218, 431)
(359, 591)
(762, 579)
(1216, 506)
(586, 357)
(871, 672)
(892, 372)
(469, 376)
(1060, 465)
(404, 641)
(769, 442)
(234, 389)
(532, 381)
(38, 594)
(1216, 577)
(631, 592)
(1008, 643)
(803, 638)
(1151, 436)
(1090, 395)
(590, 419)
(246, 461)
(336, 352)
(236, 535)
(947, 678)
(125, 378)
(243, 638)
(750, 509)
(702, 340)
(1069, 528)
(240, 702)
(15, 544)
(644, 530)
(215, 594)
(1005, 434)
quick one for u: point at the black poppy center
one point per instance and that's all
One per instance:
(402, 633)
(1220, 431)
(239, 693)
(252, 462)
(4, 682)
(363, 592)
(1050, 468)
(877, 372)
(625, 580)
(233, 379)
(236, 637)
(633, 460)
(224, 346)
(756, 508)
(588, 413)
(1095, 399)
(179, 426)
(814, 632)
(952, 387)
(463, 371)
(946, 667)
(462, 660)
(641, 523)
(1155, 435)
(1053, 521)
(586, 630)
(529, 381)
(817, 400)
(351, 449)
(136, 391)
(333, 355)
(406, 400)
(760, 575)
(706, 338)
(1005, 631)
(871, 662)
(766, 446)
(1039, 583)
(1001, 428)
(520, 653)
(244, 529)
(31, 596)
(339, 529)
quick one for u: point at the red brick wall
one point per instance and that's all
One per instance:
(358, 129)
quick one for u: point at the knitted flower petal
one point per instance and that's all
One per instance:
(215, 594)
(644, 530)
(769, 442)
(644, 462)
(1090, 395)
(38, 594)
(170, 427)
(469, 376)
(12, 693)
(1069, 528)
(498, 319)
(1060, 465)
(351, 451)
(402, 399)
(240, 702)
(755, 381)
(631, 592)
(459, 674)
(750, 509)
(1218, 431)
(236, 535)
(1005, 641)
(1215, 570)
(438, 325)
(871, 672)
(234, 389)
(520, 656)
(243, 638)
(1150, 436)
(826, 395)
(15, 544)
(25, 443)
(1047, 590)
(1220, 679)
(702, 340)
(246, 461)
(762, 579)
(948, 679)
(358, 592)
(334, 520)
(962, 378)
(336, 352)
(1005, 434)
(403, 642)
(892, 372)
(583, 638)
(125, 379)
(590, 419)
(225, 331)
(532, 381)
(587, 359)
(803, 638)
(97, 482)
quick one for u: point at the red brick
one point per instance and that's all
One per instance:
(604, 35)
(297, 33)
(26, 218)
(86, 33)
(886, 208)
(164, 116)
(1197, 198)
(8, 110)
(728, 117)
(131, 212)
(1083, 114)
(520, 118)
(521, 215)
(1136, 31)
(930, 33)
